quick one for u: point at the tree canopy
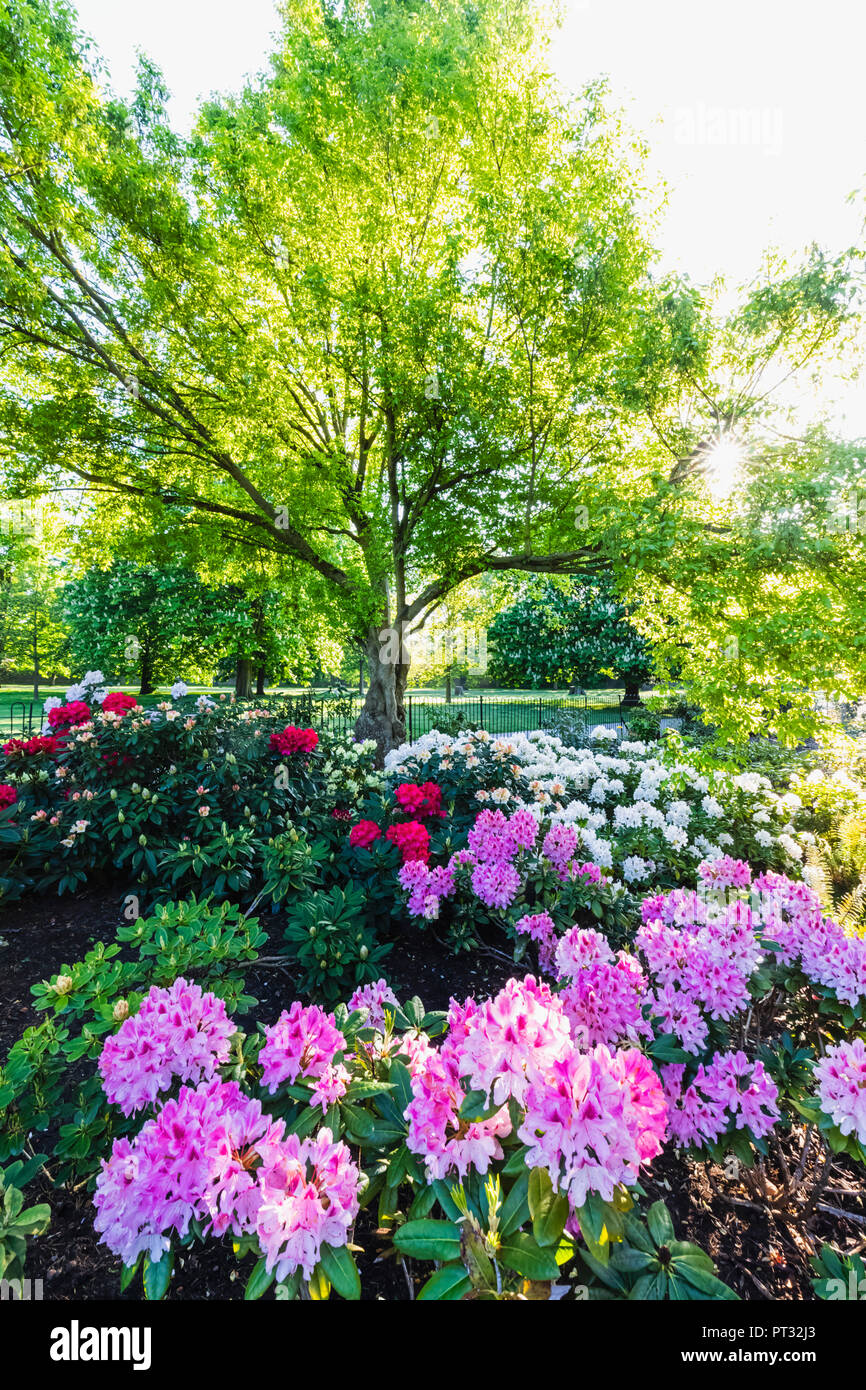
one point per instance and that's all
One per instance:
(389, 316)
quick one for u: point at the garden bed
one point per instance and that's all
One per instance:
(759, 1257)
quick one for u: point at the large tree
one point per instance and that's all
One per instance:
(389, 314)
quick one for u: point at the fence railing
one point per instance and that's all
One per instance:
(21, 719)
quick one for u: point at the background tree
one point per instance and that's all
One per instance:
(564, 631)
(389, 315)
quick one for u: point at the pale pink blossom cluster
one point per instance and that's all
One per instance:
(303, 1042)
(559, 846)
(796, 927)
(426, 886)
(841, 1077)
(604, 1000)
(374, 998)
(540, 928)
(309, 1198)
(192, 1161)
(177, 1032)
(496, 883)
(592, 1120)
(726, 872)
(729, 1093)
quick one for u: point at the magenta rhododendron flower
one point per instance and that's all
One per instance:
(726, 872)
(729, 1093)
(177, 1032)
(362, 835)
(293, 740)
(496, 883)
(303, 1042)
(412, 840)
(436, 1132)
(423, 800)
(603, 1002)
(118, 703)
(841, 1077)
(63, 717)
(8, 796)
(309, 1198)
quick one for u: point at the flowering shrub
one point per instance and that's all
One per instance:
(292, 740)
(505, 1095)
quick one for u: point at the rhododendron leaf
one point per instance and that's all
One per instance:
(515, 1208)
(650, 1287)
(400, 1079)
(475, 1107)
(361, 1090)
(703, 1281)
(629, 1260)
(691, 1254)
(660, 1225)
(547, 1207)
(593, 1217)
(259, 1281)
(305, 1123)
(423, 1203)
(319, 1285)
(157, 1276)
(521, 1253)
(517, 1162)
(429, 1240)
(608, 1276)
(288, 1289)
(342, 1271)
(127, 1274)
(449, 1283)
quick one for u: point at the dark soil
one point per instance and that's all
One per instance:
(759, 1255)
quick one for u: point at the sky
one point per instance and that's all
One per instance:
(754, 109)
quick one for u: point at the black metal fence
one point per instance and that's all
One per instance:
(21, 719)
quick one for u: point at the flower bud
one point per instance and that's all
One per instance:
(63, 984)
(363, 953)
(121, 817)
(113, 793)
(136, 787)
(120, 1011)
(142, 840)
(313, 931)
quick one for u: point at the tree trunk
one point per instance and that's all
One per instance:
(260, 680)
(448, 687)
(632, 693)
(383, 717)
(146, 670)
(244, 678)
(36, 653)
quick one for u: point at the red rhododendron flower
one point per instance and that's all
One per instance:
(8, 795)
(32, 746)
(411, 839)
(363, 834)
(118, 703)
(69, 716)
(341, 813)
(293, 740)
(423, 800)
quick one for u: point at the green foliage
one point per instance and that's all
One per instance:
(325, 938)
(18, 1224)
(839, 1277)
(559, 632)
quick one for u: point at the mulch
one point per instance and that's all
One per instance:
(758, 1254)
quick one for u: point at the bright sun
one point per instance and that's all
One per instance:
(723, 463)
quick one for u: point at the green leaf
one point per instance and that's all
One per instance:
(515, 1209)
(157, 1276)
(339, 1266)
(259, 1281)
(428, 1240)
(660, 1225)
(521, 1253)
(547, 1207)
(449, 1283)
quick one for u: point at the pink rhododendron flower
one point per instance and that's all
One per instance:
(177, 1032)
(513, 1039)
(293, 740)
(412, 840)
(303, 1042)
(8, 796)
(841, 1077)
(436, 1132)
(423, 800)
(731, 1092)
(373, 998)
(496, 883)
(118, 703)
(309, 1198)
